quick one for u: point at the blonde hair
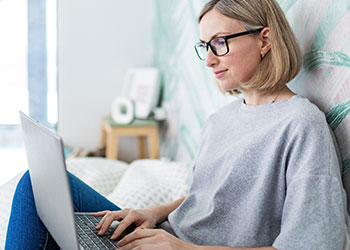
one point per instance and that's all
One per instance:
(283, 62)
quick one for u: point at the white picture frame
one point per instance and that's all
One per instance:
(142, 86)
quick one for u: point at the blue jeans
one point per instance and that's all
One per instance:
(25, 229)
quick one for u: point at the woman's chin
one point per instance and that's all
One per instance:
(228, 86)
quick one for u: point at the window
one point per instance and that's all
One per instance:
(13, 60)
(28, 45)
(18, 51)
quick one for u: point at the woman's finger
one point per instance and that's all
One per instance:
(117, 215)
(123, 225)
(100, 213)
(137, 235)
(147, 243)
(107, 221)
(100, 223)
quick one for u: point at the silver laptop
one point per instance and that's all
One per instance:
(52, 194)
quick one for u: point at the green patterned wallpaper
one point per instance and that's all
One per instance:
(322, 28)
(190, 94)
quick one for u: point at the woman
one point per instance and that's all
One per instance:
(267, 174)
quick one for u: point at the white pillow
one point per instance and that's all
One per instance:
(99, 173)
(151, 182)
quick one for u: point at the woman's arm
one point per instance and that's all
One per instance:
(156, 239)
(164, 210)
(234, 248)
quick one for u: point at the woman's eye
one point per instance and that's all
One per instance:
(202, 46)
(219, 42)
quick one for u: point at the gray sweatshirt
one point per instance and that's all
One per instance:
(265, 175)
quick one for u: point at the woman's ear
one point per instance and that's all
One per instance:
(265, 40)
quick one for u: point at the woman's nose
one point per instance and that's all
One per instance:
(211, 59)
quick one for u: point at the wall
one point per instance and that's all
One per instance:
(190, 93)
(98, 40)
(322, 28)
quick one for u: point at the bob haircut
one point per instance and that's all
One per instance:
(283, 61)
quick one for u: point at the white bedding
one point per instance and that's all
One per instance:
(140, 184)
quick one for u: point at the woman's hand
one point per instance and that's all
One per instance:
(153, 239)
(146, 218)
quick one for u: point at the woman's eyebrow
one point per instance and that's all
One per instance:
(216, 34)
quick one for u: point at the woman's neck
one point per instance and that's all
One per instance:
(255, 97)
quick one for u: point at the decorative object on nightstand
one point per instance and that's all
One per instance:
(142, 86)
(123, 110)
(141, 128)
(140, 96)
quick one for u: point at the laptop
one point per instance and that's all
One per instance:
(52, 194)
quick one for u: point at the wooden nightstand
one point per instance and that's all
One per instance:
(111, 131)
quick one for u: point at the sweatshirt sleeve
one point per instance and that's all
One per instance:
(314, 209)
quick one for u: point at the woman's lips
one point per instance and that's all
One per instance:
(220, 73)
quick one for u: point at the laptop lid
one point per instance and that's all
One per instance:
(50, 182)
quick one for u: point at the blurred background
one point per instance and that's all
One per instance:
(64, 61)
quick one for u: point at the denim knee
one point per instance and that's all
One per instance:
(25, 180)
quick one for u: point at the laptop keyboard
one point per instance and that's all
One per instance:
(87, 234)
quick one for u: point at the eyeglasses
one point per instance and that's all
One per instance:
(219, 45)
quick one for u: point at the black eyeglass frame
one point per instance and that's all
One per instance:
(225, 38)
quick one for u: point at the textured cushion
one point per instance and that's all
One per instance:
(151, 182)
(99, 173)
